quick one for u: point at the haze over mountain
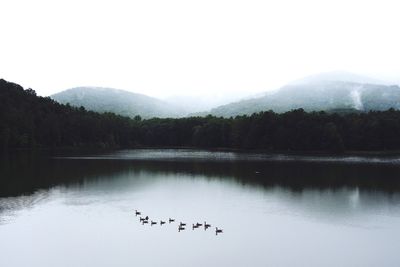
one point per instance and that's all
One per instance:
(333, 76)
(327, 91)
(102, 99)
(203, 102)
(118, 101)
(330, 91)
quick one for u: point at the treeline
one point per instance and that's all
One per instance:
(29, 121)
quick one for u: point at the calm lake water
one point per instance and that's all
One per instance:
(275, 210)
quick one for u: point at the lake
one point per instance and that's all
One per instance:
(78, 209)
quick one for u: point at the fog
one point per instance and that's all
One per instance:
(206, 101)
(212, 51)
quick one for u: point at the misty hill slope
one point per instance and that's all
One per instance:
(318, 95)
(121, 102)
(337, 76)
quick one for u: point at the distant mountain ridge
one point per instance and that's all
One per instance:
(335, 76)
(338, 91)
(102, 99)
(316, 93)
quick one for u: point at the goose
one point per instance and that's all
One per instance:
(152, 223)
(146, 218)
(206, 226)
(171, 220)
(217, 231)
(199, 224)
(194, 226)
(145, 222)
(142, 219)
(162, 222)
(180, 228)
(182, 224)
(137, 213)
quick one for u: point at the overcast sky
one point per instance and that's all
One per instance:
(166, 47)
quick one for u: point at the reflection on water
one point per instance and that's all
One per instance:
(10, 205)
(78, 210)
(224, 156)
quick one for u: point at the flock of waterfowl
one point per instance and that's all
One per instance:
(181, 225)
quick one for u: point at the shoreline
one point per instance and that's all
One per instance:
(219, 149)
(355, 157)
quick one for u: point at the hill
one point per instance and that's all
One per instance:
(29, 121)
(120, 102)
(317, 94)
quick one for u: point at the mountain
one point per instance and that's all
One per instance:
(121, 102)
(333, 76)
(315, 93)
(31, 121)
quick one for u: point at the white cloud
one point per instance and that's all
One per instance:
(193, 47)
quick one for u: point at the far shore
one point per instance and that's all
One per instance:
(95, 150)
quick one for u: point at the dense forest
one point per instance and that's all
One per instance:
(29, 121)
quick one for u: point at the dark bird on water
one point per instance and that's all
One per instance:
(162, 222)
(206, 226)
(137, 213)
(152, 223)
(182, 224)
(194, 226)
(145, 222)
(171, 220)
(217, 231)
(181, 228)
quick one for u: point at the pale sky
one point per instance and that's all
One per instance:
(170, 47)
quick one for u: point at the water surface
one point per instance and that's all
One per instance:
(275, 210)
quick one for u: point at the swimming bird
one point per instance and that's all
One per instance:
(180, 228)
(152, 223)
(194, 226)
(146, 218)
(141, 219)
(171, 220)
(162, 222)
(206, 226)
(182, 224)
(137, 213)
(217, 231)
(143, 222)
(199, 224)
